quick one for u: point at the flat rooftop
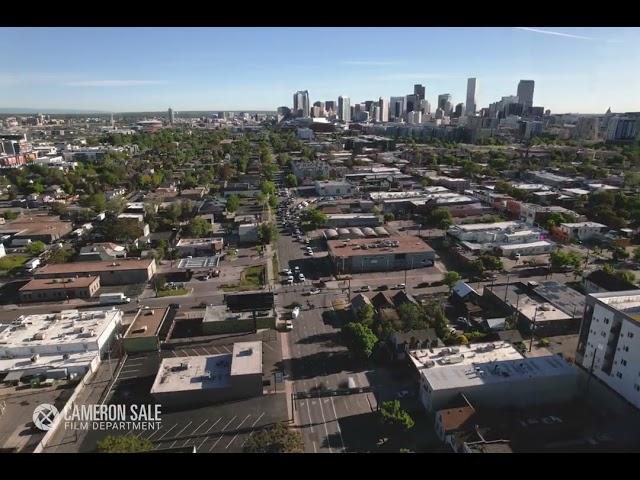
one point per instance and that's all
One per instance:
(57, 283)
(193, 241)
(522, 246)
(146, 323)
(89, 267)
(478, 227)
(247, 358)
(37, 225)
(387, 246)
(66, 327)
(627, 302)
(193, 373)
(583, 224)
(434, 358)
(558, 304)
(476, 373)
(198, 262)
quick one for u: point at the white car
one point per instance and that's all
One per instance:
(314, 291)
(295, 312)
(287, 272)
(400, 286)
(290, 280)
(289, 325)
(301, 277)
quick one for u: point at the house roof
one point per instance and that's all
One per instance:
(360, 301)
(403, 297)
(462, 289)
(456, 418)
(380, 300)
(421, 335)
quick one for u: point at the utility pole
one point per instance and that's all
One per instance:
(533, 328)
(506, 290)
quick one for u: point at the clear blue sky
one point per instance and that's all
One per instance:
(582, 70)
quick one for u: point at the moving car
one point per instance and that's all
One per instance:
(400, 286)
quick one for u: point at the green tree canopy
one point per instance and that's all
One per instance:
(278, 438)
(124, 444)
(359, 339)
(291, 180)
(233, 202)
(198, 228)
(394, 416)
(35, 248)
(451, 278)
(365, 315)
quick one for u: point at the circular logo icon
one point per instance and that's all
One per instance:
(43, 416)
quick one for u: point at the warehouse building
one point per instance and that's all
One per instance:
(491, 375)
(44, 228)
(120, 272)
(45, 289)
(187, 382)
(69, 342)
(352, 220)
(377, 255)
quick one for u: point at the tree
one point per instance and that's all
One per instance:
(451, 278)
(278, 438)
(389, 217)
(314, 218)
(10, 215)
(562, 258)
(412, 316)
(491, 262)
(477, 266)
(440, 218)
(59, 208)
(273, 201)
(98, 202)
(267, 233)
(365, 315)
(291, 181)
(122, 229)
(392, 415)
(62, 255)
(626, 275)
(619, 253)
(35, 248)
(268, 188)
(636, 254)
(359, 339)
(233, 202)
(124, 444)
(198, 228)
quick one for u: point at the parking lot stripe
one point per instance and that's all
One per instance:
(309, 413)
(222, 433)
(236, 435)
(185, 427)
(153, 433)
(165, 433)
(266, 344)
(252, 425)
(214, 348)
(194, 432)
(337, 423)
(226, 349)
(206, 351)
(205, 433)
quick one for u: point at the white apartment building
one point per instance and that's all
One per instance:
(582, 230)
(609, 342)
(71, 340)
(334, 188)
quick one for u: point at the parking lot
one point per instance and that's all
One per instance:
(222, 428)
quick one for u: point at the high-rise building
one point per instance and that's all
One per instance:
(525, 92)
(415, 117)
(412, 103)
(425, 106)
(472, 96)
(368, 106)
(396, 108)
(344, 109)
(443, 99)
(458, 110)
(622, 128)
(170, 116)
(330, 106)
(419, 91)
(301, 105)
(383, 109)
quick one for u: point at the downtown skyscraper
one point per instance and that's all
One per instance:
(301, 106)
(472, 96)
(344, 109)
(525, 92)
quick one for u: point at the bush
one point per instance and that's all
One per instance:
(124, 444)
(393, 415)
(276, 439)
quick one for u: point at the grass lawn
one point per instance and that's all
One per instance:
(9, 262)
(172, 292)
(250, 279)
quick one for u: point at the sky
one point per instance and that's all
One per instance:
(581, 70)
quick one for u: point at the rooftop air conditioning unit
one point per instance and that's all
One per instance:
(35, 358)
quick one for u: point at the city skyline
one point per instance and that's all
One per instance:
(577, 70)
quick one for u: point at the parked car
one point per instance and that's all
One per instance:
(289, 325)
(314, 291)
(383, 287)
(400, 286)
(366, 288)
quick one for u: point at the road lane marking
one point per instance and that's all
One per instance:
(324, 422)
(154, 432)
(315, 450)
(337, 423)
(222, 432)
(236, 435)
